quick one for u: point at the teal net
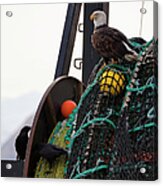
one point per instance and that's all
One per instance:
(113, 131)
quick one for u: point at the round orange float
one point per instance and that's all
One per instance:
(67, 107)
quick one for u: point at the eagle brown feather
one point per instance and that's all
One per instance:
(109, 43)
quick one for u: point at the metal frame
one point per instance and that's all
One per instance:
(64, 59)
(90, 57)
(68, 39)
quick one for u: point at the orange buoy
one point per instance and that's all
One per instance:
(67, 107)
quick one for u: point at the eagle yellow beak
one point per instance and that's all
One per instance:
(92, 16)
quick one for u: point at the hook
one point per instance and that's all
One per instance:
(81, 27)
(80, 62)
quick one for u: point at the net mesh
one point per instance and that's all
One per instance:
(113, 131)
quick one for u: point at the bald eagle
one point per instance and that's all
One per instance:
(109, 42)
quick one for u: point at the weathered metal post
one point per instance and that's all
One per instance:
(90, 57)
(68, 39)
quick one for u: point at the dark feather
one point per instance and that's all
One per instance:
(21, 142)
(111, 43)
(50, 152)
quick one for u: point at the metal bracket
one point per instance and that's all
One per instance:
(79, 61)
(81, 27)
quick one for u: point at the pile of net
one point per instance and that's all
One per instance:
(112, 134)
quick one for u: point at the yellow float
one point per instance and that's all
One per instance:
(112, 81)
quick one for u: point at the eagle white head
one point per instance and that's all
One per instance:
(99, 18)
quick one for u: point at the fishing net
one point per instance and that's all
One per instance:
(113, 131)
(112, 134)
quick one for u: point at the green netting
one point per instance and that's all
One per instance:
(113, 131)
(112, 134)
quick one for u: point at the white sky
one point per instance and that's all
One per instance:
(30, 45)
(126, 17)
(30, 42)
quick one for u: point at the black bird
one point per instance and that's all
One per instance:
(21, 142)
(50, 152)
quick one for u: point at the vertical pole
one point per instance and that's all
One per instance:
(68, 38)
(90, 57)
